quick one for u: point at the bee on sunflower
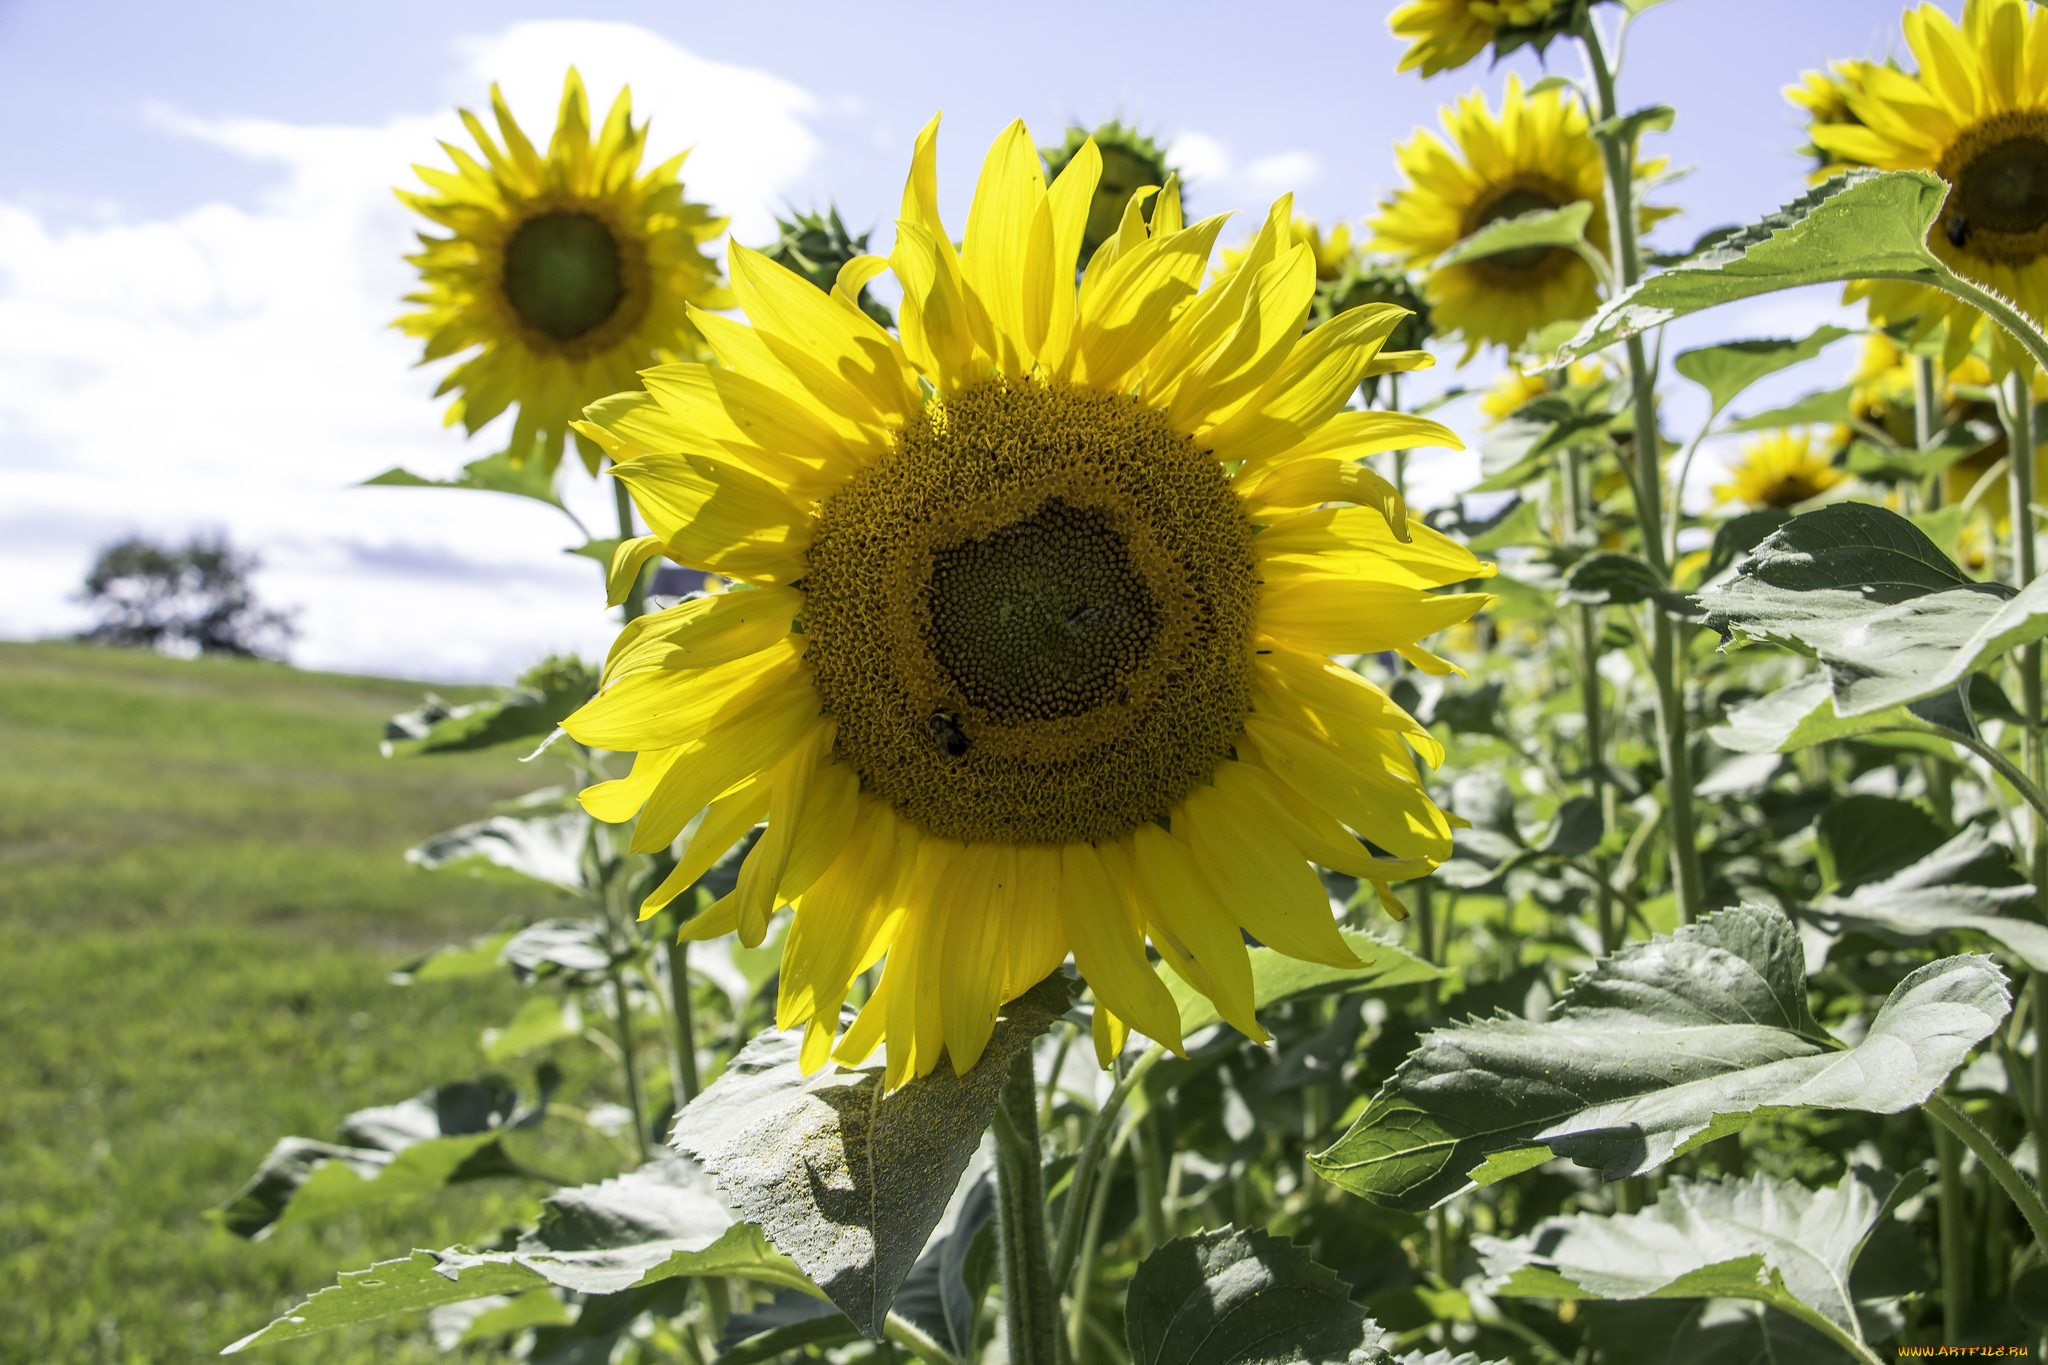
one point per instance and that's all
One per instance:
(568, 272)
(1537, 154)
(1976, 114)
(1780, 469)
(1032, 656)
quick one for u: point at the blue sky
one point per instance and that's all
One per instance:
(198, 250)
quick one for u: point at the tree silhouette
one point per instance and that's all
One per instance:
(190, 600)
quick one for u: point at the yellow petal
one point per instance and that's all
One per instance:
(629, 557)
(1351, 616)
(1187, 907)
(842, 921)
(1109, 946)
(1036, 942)
(1319, 377)
(718, 921)
(1272, 890)
(1359, 789)
(1268, 330)
(1342, 697)
(726, 821)
(659, 709)
(1110, 1034)
(727, 756)
(829, 811)
(712, 514)
(978, 893)
(824, 338)
(945, 329)
(1068, 201)
(789, 783)
(703, 632)
(1125, 317)
(1311, 829)
(1009, 248)
(1323, 539)
(739, 413)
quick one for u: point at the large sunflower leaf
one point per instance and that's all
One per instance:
(1724, 371)
(1830, 407)
(1277, 978)
(446, 1136)
(1931, 897)
(1760, 1239)
(1863, 225)
(1800, 715)
(1890, 616)
(652, 1224)
(1243, 1298)
(492, 474)
(1560, 227)
(846, 1180)
(546, 848)
(1662, 1047)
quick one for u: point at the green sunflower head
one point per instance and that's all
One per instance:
(1367, 281)
(1130, 161)
(815, 246)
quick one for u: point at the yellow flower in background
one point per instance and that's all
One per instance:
(1976, 114)
(1779, 469)
(1443, 34)
(571, 271)
(1824, 95)
(1537, 154)
(1517, 388)
(1334, 254)
(1034, 657)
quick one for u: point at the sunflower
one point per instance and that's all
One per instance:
(1824, 95)
(1517, 388)
(1129, 161)
(1779, 469)
(1443, 34)
(1976, 114)
(1536, 155)
(570, 271)
(1030, 655)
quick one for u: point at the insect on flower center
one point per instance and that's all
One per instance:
(1998, 209)
(563, 273)
(1514, 204)
(1032, 619)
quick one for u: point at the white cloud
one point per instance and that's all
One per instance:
(1201, 158)
(234, 368)
(1283, 171)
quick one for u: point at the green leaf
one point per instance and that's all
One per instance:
(445, 1136)
(1873, 461)
(1629, 127)
(1243, 1298)
(1933, 896)
(1662, 1047)
(1277, 978)
(1618, 580)
(1801, 715)
(1706, 1332)
(1864, 225)
(846, 1180)
(455, 962)
(577, 949)
(1520, 524)
(657, 1223)
(1891, 617)
(492, 474)
(520, 714)
(1520, 448)
(1830, 408)
(1759, 1238)
(1740, 535)
(1561, 227)
(544, 848)
(787, 1322)
(1724, 371)
(541, 1022)
(1864, 837)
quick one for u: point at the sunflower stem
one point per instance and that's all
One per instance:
(1085, 1165)
(635, 605)
(1955, 1235)
(2016, 413)
(687, 1084)
(1031, 1305)
(1666, 635)
(2023, 1195)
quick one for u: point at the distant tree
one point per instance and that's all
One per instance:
(195, 599)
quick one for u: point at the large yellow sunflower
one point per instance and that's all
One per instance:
(571, 272)
(1976, 114)
(1031, 656)
(1536, 155)
(1779, 469)
(1443, 34)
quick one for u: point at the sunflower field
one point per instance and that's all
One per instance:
(1071, 865)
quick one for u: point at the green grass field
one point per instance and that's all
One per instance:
(201, 891)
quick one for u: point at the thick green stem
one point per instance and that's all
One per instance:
(635, 605)
(1091, 1155)
(1091, 1241)
(1666, 635)
(2024, 1196)
(2017, 414)
(629, 1060)
(1031, 1306)
(1149, 1160)
(1590, 627)
(1955, 1235)
(686, 1022)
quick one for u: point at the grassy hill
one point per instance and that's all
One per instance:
(201, 891)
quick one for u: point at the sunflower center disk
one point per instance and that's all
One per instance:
(1043, 618)
(1514, 204)
(2005, 188)
(1032, 619)
(563, 273)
